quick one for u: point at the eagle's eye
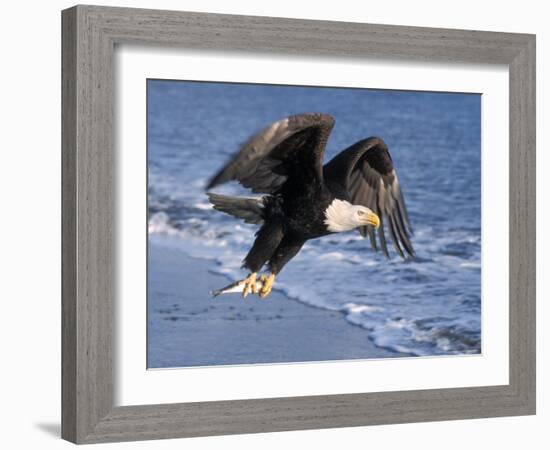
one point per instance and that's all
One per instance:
(360, 212)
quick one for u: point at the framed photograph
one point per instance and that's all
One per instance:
(279, 224)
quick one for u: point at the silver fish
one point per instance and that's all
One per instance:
(236, 287)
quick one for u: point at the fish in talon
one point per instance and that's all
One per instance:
(234, 288)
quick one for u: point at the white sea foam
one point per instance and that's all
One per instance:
(473, 265)
(204, 206)
(332, 256)
(159, 223)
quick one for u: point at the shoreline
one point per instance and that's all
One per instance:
(186, 327)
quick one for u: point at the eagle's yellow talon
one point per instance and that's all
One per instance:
(250, 285)
(267, 284)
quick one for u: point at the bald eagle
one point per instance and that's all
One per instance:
(304, 199)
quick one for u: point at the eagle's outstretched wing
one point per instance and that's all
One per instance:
(291, 146)
(365, 170)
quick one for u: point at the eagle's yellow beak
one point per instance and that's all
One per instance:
(372, 219)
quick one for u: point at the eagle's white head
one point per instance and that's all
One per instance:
(344, 216)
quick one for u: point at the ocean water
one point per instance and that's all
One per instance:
(429, 306)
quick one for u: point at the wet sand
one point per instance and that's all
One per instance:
(187, 327)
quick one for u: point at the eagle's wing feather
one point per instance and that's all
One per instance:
(267, 160)
(365, 170)
(248, 209)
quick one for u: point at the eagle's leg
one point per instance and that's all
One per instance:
(250, 285)
(267, 240)
(267, 281)
(286, 250)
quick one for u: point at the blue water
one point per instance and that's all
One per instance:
(430, 306)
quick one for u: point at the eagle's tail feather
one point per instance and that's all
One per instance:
(247, 208)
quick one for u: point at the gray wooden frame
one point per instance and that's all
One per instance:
(89, 36)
